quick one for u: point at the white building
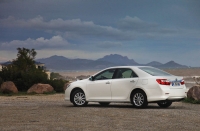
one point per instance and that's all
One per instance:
(0, 67)
(40, 65)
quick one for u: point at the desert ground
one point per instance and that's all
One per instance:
(52, 113)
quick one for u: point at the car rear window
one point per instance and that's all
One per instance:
(154, 71)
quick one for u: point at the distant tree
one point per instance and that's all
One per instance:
(57, 84)
(25, 59)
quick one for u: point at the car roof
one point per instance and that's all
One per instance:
(127, 67)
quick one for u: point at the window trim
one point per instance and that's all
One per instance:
(114, 76)
(103, 72)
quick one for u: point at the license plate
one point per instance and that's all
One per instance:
(175, 83)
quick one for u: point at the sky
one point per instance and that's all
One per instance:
(143, 30)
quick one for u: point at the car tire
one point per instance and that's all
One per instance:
(139, 99)
(78, 98)
(104, 103)
(164, 104)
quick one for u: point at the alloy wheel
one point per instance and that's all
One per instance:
(138, 99)
(79, 98)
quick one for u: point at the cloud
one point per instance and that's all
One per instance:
(128, 29)
(135, 23)
(55, 42)
(109, 44)
(74, 26)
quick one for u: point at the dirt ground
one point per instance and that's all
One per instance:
(52, 113)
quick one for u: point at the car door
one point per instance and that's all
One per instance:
(98, 89)
(122, 84)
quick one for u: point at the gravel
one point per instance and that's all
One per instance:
(52, 113)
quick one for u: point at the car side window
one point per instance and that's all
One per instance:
(125, 73)
(108, 74)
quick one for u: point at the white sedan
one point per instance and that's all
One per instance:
(138, 85)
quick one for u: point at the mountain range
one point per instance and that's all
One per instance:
(59, 63)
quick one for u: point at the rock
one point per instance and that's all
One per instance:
(194, 93)
(9, 87)
(40, 88)
(65, 86)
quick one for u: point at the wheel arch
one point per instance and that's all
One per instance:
(75, 89)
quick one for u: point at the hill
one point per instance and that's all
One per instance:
(118, 59)
(62, 63)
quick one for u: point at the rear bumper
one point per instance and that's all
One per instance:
(163, 93)
(172, 100)
(176, 99)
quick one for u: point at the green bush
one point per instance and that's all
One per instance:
(57, 84)
(22, 71)
(23, 79)
(1, 81)
(55, 75)
(30, 78)
(24, 74)
(190, 100)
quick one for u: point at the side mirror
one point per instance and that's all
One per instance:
(91, 78)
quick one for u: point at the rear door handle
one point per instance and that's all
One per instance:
(132, 81)
(107, 82)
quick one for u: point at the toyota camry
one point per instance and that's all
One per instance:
(138, 85)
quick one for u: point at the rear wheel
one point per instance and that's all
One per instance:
(78, 98)
(139, 99)
(104, 103)
(164, 104)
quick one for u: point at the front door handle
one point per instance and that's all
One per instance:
(107, 82)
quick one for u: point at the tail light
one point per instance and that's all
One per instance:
(182, 82)
(163, 81)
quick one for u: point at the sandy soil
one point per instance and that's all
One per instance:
(184, 72)
(52, 113)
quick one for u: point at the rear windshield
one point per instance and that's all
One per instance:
(154, 71)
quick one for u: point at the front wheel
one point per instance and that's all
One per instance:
(78, 98)
(164, 104)
(139, 99)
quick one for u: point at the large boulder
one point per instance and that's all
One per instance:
(194, 93)
(9, 87)
(40, 88)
